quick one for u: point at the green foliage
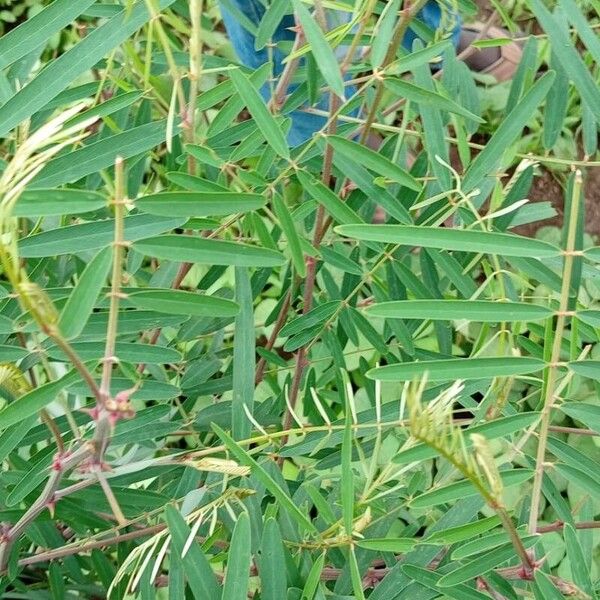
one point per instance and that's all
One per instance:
(233, 368)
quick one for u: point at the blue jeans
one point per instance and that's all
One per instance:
(246, 14)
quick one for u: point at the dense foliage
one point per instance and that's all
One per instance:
(222, 376)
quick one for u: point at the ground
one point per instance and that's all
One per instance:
(547, 187)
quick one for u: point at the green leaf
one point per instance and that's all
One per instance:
(286, 223)
(237, 577)
(472, 310)
(10, 353)
(184, 248)
(483, 563)
(590, 317)
(589, 485)
(269, 24)
(544, 589)
(593, 253)
(374, 161)
(480, 545)
(421, 95)
(206, 155)
(127, 351)
(13, 436)
(586, 413)
(176, 581)
(397, 545)
(244, 356)
(78, 308)
(149, 389)
(338, 209)
(81, 57)
(557, 104)
(272, 569)
(315, 316)
(30, 480)
(195, 184)
(463, 532)
(314, 576)
(228, 112)
(491, 430)
(458, 368)
(325, 57)
(443, 238)
(200, 576)
(89, 236)
(581, 24)
(31, 402)
(579, 570)
(36, 31)
(49, 202)
(586, 368)
(430, 579)
(265, 479)
(355, 574)
(178, 302)
(572, 456)
(506, 134)
(6, 324)
(130, 321)
(383, 32)
(199, 204)
(396, 581)
(568, 56)
(263, 118)
(100, 155)
(365, 181)
(462, 489)
(106, 108)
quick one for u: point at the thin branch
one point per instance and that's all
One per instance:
(552, 370)
(290, 68)
(558, 525)
(117, 273)
(281, 318)
(407, 15)
(196, 10)
(572, 430)
(62, 463)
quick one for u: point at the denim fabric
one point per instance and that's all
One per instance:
(304, 125)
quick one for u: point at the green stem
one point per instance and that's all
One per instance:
(552, 367)
(164, 42)
(115, 292)
(196, 9)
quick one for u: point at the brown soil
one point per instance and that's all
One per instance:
(546, 187)
(592, 201)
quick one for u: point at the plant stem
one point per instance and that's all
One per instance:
(196, 9)
(111, 499)
(552, 367)
(64, 463)
(115, 293)
(321, 224)
(164, 41)
(407, 15)
(288, 72)
(80, 548)
(77, 363)
(281, 318)
(510, 529)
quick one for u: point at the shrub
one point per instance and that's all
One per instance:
(220, 378)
